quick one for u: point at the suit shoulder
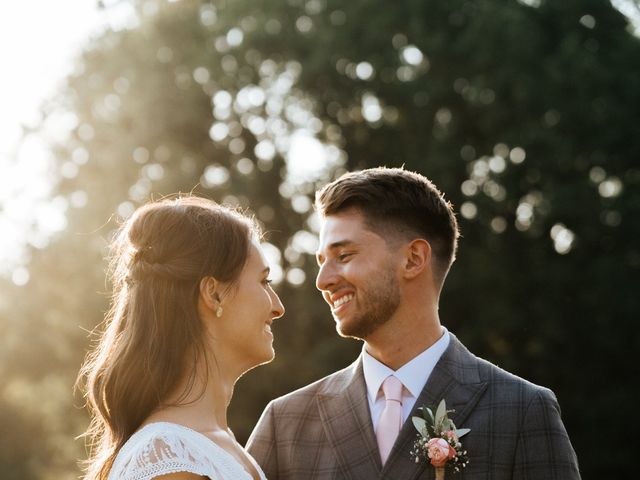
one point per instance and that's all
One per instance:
(510, 384)
(467, 367)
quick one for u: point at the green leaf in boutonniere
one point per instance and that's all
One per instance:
(420, 424)
(441, 413)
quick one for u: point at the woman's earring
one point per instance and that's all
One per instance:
(219, 309)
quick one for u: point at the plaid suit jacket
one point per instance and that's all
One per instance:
(323, 431)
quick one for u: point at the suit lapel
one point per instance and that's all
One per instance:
(454, 378)
(347, 422)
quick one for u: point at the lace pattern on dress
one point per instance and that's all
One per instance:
(163, 448)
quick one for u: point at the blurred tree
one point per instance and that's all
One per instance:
(524, 112)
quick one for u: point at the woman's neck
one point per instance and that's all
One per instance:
(199, 403)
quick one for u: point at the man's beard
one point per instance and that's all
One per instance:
(377, 300)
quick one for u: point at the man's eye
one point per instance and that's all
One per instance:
(344, 256)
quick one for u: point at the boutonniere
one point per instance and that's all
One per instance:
(438, 440)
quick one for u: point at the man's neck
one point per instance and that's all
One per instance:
(399, 341)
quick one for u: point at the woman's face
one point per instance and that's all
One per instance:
(243, 332)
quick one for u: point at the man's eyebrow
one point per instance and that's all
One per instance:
(336, 245)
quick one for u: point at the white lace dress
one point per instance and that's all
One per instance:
(162, 448)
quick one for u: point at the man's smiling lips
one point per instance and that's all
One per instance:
(339, 301)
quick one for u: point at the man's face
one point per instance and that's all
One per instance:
(358, 275)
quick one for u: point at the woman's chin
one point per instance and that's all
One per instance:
(265, 357)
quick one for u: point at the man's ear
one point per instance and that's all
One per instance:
(417, 257)
(209, 292)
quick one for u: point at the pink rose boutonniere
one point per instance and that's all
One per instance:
(438, 441)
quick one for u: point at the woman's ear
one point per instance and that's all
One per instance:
(418, 257)
(209, 294)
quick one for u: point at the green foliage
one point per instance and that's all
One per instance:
(526, 117)
(433, 426)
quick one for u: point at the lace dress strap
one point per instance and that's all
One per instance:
(162, 448)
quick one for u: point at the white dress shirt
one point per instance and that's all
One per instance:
(413, 375)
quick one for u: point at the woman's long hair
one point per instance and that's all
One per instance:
(153, 335)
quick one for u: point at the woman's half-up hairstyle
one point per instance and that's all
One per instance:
(153, 335)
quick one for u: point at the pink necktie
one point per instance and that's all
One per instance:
(390, 418)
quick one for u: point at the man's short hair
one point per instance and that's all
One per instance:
(396, 204)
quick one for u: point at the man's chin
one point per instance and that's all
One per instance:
(348, 329)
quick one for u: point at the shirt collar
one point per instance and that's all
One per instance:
(413, 374)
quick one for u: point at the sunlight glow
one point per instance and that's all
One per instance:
(371, 109)
(296, 276)
(27, 215)
(364, 71)
(215, 175)
(562, 237)
(531, 3)
(412, 55)
(306, 156)
(274, 260)
(631, 10)
(469, 210)
(611, 187)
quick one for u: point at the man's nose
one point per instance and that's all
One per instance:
(326, 276)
